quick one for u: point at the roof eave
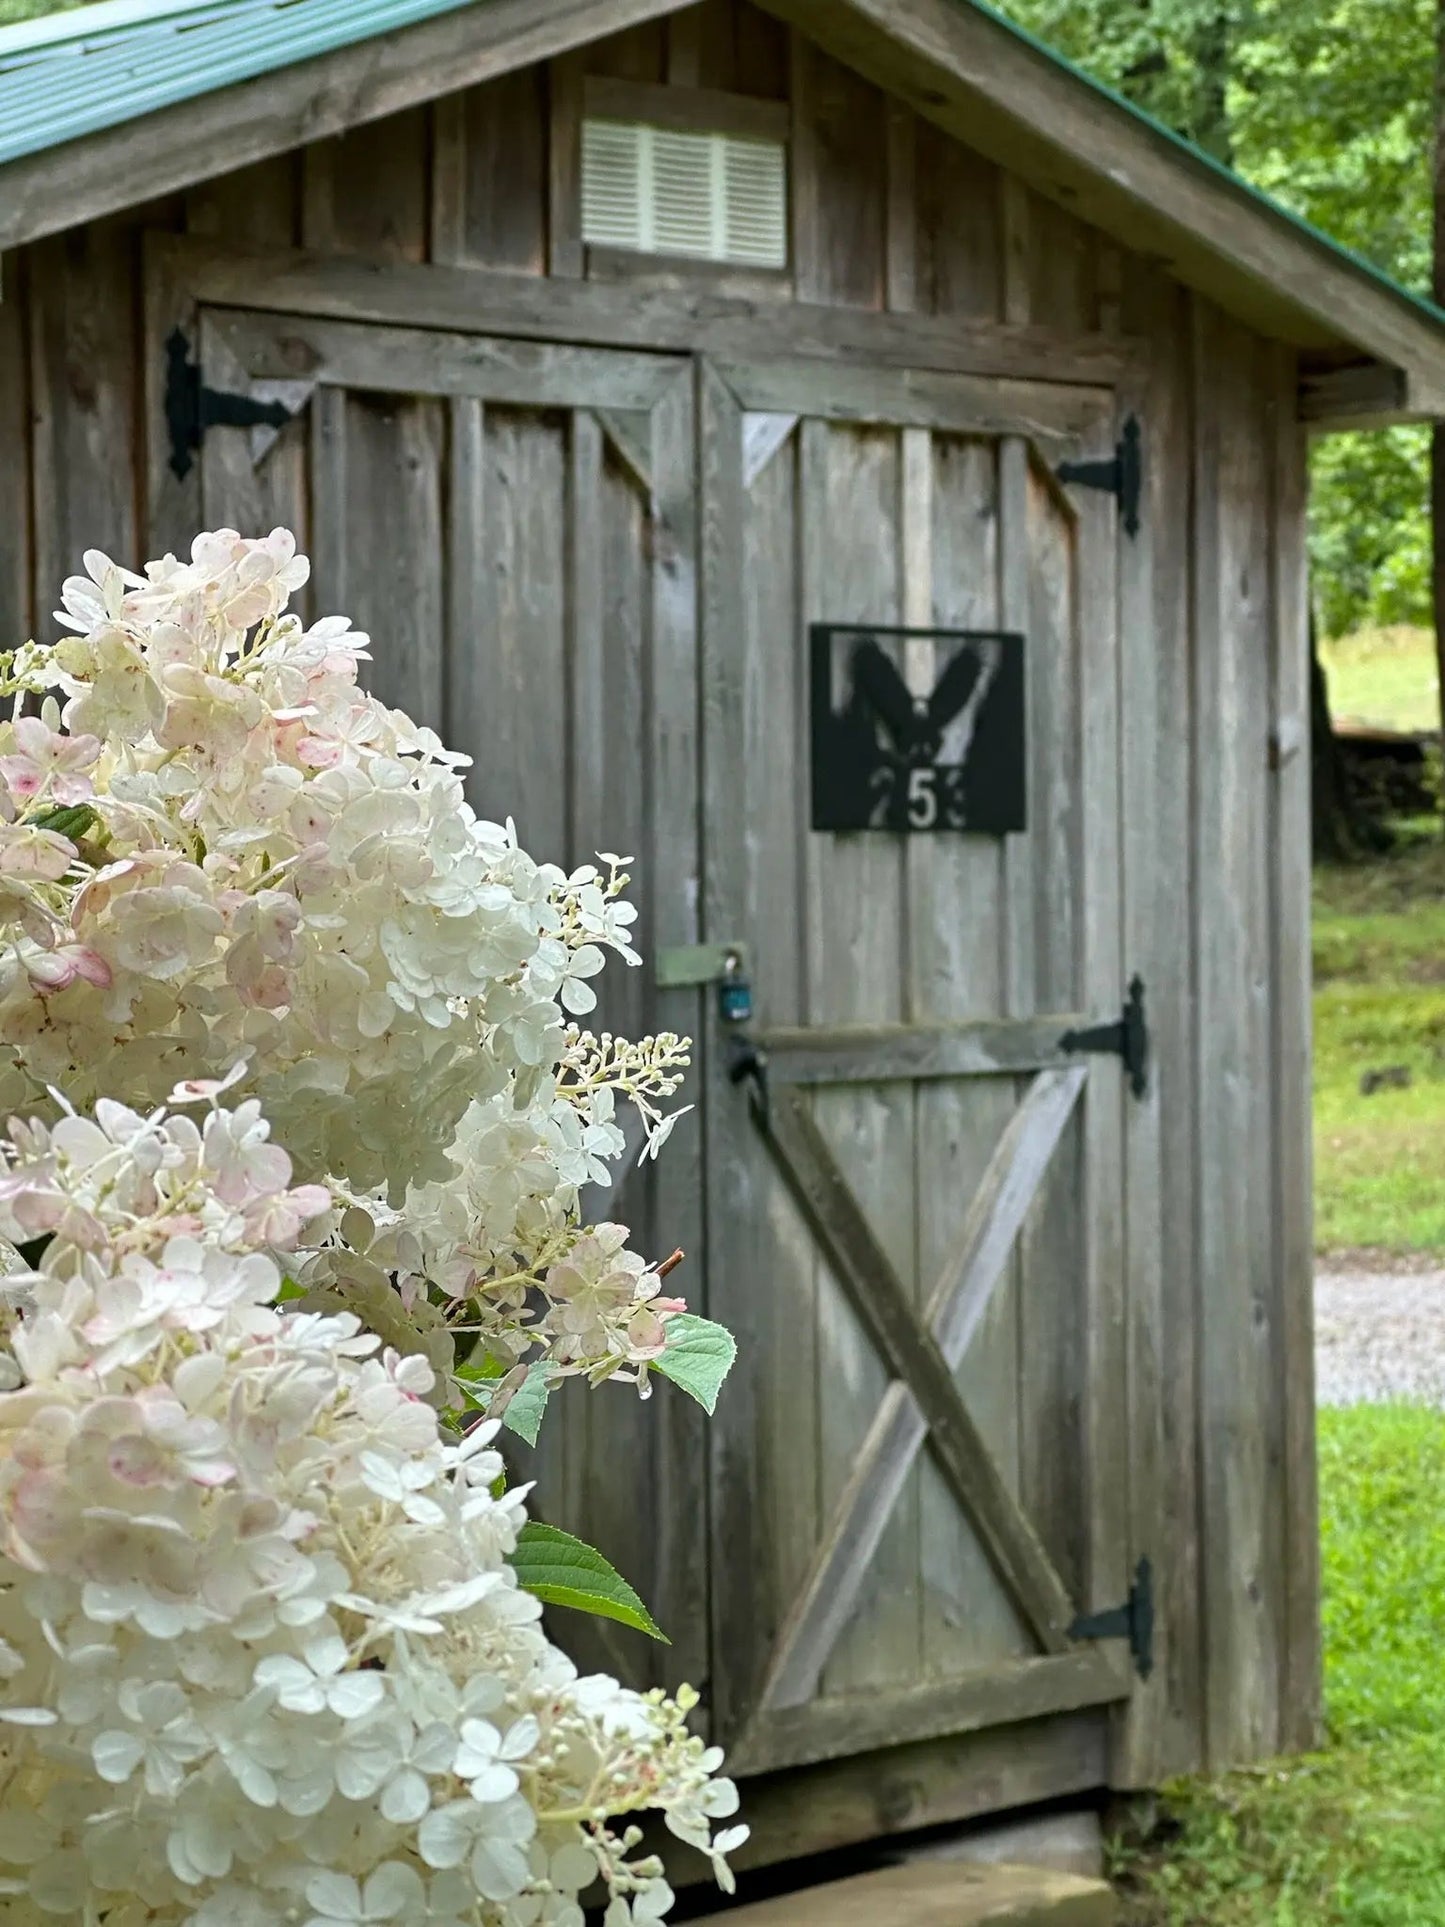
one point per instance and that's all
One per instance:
(214, 133)
(982, 82)
(959, 65)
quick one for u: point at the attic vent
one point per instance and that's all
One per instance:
(715, 197)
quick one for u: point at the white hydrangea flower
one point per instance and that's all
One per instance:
(218, 855)
(262, 1657)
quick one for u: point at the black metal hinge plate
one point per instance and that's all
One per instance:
(192, 408)
(1128, 1038)
(1134, 1621)
(1121, 475)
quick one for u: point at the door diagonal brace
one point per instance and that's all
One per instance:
(922, 1401)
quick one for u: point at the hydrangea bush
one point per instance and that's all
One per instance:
(300, 1118)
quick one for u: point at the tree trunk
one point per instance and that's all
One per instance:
(1340, 828)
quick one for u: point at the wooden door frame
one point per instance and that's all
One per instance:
(1038, 423)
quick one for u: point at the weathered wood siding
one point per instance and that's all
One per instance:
(1205, 1268)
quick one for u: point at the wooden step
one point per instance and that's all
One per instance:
(940, 1894)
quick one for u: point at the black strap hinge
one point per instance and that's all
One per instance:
(1129, 1039)
(1134, 1621)
(1121, 475)
(192, 408)
(747, 1064)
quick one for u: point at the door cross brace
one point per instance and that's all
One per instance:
(922, 1401)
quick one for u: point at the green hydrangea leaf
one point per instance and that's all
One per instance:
(563, 1571)
(698, 1357)
(525, 1408)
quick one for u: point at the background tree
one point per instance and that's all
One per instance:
(1330, 106)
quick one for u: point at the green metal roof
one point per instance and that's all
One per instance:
(73, 73)
(100, 65)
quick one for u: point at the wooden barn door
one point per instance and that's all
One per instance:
(514, 525)
(918, 1476)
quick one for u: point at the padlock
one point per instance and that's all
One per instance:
(734, 994)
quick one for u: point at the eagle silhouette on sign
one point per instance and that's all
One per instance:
(887, 758)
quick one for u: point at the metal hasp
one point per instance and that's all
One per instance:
(192, 408)
(1129, 1039)
(1134, 1621)
(1122, 475)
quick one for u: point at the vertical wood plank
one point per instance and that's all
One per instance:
(256, 206)
(1171, 1706)
(839, 157)
(902, 240)
(1062, 254)
(587, 742)
(719, 23)
(1015, 246)
(523, 550)
(1008, 1358)
(330, 586)
(1050, 1271)
(490, 165)
(1300, 1721)
(237, 491)
(377, 479)
(449, 182)
(171, 504)
(960, 227)
(394, 563)
(17, 587)
(1142, 1741)
(1241, 1657)
(762, 53)
(368, 191)
(684, 48)
(466, 669)
(564, 166)
(747, 1596)
(956, 972)
(679, 1443)
(852, 563)
(637, 53)
(85, 409)
(1105, 1426)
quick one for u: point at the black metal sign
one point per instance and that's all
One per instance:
(887, 757)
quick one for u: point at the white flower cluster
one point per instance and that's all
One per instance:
(262, 1658)
(217, 849)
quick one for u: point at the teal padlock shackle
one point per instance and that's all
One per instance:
(734, 992)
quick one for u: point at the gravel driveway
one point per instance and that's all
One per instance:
(1379, 1335)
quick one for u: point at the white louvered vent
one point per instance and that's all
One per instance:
(715, 197)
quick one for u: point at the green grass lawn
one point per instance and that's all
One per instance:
(1354, 1834)
(1379, 948)
(1384, 676)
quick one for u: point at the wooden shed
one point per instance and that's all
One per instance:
(838, 454)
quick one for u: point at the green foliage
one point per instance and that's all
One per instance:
(1354, 1836)
(526, 1407)
(1370, 529)
(563, 1571)
(698, 1357)
(1327, 105)
(1379, 955)
(12, 11)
